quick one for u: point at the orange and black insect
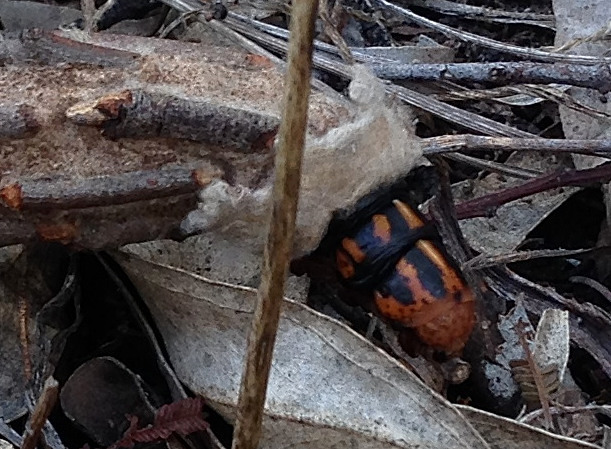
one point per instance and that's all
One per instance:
(394, 253)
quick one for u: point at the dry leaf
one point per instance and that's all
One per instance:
(506, 433)
(327, 383)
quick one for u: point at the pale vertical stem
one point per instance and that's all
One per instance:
(291, 138)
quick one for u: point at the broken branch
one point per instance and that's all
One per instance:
(61, 194)
(485, 205)
(596, 76)
(42, 410)
(470, 142)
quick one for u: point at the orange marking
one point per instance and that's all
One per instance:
(381, 228)
(352, 248)
(412, 218)
(442, 323)
(452, 280)
(344, 264)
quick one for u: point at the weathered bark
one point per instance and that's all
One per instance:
(107, 141)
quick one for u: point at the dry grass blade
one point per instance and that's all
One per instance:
(563, 409)
(600, 35)
(42, 410)
(487, 14)
(496, 167)
(482, 261)
(280, 238)
(532, 53)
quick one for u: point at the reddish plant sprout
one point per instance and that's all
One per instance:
(182, 417)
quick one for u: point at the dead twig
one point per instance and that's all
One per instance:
(559, 409)
(485, 205)
(495, 167)
(531, 53)
(99, 227)
(482, 261)
(42, 410)
(592, 283)
(62, 194)
(359, 54)
(280, 239)
(486, 14)
(141, 113)
(52, 48)
(445, 111)
(597, 76)
(470, 142)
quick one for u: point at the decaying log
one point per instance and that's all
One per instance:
(94, 130)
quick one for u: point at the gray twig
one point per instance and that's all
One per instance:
(597, 76)
(469, 142)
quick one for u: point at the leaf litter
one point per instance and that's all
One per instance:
(329, 385)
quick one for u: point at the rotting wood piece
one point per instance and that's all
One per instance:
(235, 94)
(99, 227)
(103, 211)
(61, 194)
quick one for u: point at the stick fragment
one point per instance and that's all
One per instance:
(42, 410)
